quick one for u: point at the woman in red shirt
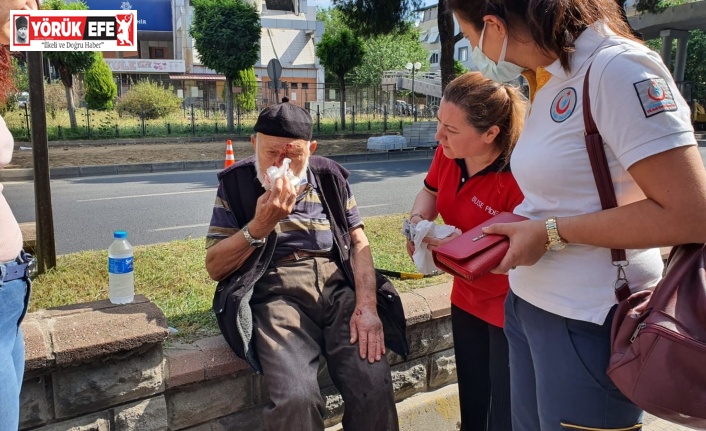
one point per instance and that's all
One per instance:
(469, 181)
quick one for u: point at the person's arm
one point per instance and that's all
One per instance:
(365, 325)
(674, 183)
(229, 254)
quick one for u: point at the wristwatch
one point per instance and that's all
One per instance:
(555, 242)
(249, 238)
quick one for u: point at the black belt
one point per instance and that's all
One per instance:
(19, 268)
(301, 254)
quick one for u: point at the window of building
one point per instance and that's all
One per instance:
(294, 85)
(305, 86)
(463, 54)
(434, 58)
(433, 36)
(423, 36)
(157, 52)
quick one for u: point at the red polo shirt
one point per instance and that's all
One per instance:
(466, 202)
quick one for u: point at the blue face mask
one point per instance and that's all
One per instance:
(503, 71)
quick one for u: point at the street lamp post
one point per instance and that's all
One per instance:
(414, 67)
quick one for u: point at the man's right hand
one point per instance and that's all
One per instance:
(274, 205)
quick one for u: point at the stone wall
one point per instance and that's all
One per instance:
(102, 367)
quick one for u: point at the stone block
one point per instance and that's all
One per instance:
(36, 406)
(92, 171)
(416, 309)
(95, 422)
(409, 378)
(167, 166)
(386, 143)
(438, 299)
(199, 403)
(438, 410)
(37, 345)
(145, 415)
(135, 168)
(183, 364)
(64, 172)
(219, 358)
(100, 385)
(202, 165)
(430, 337)
(89, 335)
(442, 369)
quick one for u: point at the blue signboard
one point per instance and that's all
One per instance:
(152, 15)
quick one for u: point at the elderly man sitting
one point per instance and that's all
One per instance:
(296, 281)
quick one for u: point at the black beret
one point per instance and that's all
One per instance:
(21, 21)
(285, 120)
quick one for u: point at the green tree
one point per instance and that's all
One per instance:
(340, 52)
(376, 17)
(695, 69)
(389, 52)
(459, 69)
(247, 82)
(68, 63)
(20, 82)
(654, 6)
(148, 99)
(100, 87)
(227, 36)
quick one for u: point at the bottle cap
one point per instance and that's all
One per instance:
(120, 234)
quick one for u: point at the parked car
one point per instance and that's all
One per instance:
(22, 99)
(402, 108)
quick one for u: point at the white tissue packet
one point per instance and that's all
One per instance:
(422, 255)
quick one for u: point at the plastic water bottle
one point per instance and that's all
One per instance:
(121, 279)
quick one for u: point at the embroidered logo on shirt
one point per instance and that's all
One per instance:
(655, 96)
(563, 105)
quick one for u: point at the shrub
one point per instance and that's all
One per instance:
(55, 98)
(149, 99)
(100, 87)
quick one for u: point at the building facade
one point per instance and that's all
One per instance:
(429, 36)
(166, 52)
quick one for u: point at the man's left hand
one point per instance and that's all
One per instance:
(366, 329)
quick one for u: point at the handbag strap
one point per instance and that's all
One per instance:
(604, 182)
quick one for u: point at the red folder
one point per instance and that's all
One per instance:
(474, 254)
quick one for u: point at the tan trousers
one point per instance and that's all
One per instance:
(301, 310)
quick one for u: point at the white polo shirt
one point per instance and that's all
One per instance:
(639, 112)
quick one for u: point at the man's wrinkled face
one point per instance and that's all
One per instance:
(5, 7)
(272, 150)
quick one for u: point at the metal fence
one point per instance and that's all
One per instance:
(191, 121)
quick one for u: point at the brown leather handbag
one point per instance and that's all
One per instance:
(658, 338)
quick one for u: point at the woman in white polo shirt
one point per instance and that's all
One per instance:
(561, 302)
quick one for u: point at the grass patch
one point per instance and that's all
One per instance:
(172, 275)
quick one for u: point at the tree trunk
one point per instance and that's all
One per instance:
(342, 83)
(229, 103)
(447, 41)
(70, 104)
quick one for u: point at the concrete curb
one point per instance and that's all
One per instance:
(8, 175)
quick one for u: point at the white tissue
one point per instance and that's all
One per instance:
(273, 172)
(422, 255)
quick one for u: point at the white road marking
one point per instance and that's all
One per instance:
(188, 226)
(360, 207)
(149, 195)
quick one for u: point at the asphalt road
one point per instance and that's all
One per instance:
(156, 208)
(162, 207)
